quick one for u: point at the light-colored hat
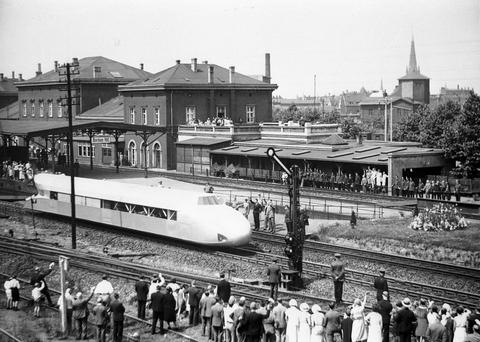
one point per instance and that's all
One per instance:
(231, 300)
(446, 307)
(253, 305)
(304, 307)
(78, 295)
(316, 308)
(292, 302)
(406, 302)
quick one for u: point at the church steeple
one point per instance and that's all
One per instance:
(412, 66)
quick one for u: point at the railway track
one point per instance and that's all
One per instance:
(378, 257)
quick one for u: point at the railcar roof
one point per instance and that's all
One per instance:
(153, 196)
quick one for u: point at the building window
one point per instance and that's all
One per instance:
(41, 108)
(222, 111)
(85, 150)
(59, 108)
(190, 112)
(250, 114)
(32, 109)
(50, 108)
(144, 116)
(24, 108)
(132, 115)
(157, 116)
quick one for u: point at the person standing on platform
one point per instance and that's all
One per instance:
(217, 320)
(257, 209)
(385, 308)
(80, 314)
(194, 295)
(405, 321)
(347, 324)
(275, 273)
(118, 311)
(338, 276)
(380, 284)
(223, 288)
(141, 288)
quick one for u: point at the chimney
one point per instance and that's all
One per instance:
(20, 78)
(39, 71)
(13, 75)
(232, 72)
(1, 76)
(205, 62)
(210, 74)
(75, 61)
(55, 64)
(177, 61)
(267, 68)
(194, 64)
(141, 66)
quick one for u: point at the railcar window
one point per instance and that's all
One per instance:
(54, 195)
(209, 200)
(140, 210)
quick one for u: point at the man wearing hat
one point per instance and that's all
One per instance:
(384, 309)
(80, 313)
(380, 284)
(223, 288)
(406, 321)
(252, 323)
(39, 277)
(338, 276)
(100, 319)
(274, 272)
(141, 288)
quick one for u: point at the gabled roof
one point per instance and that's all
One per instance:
(7, 86)
(108, 71)
(414, 76)
(181, 75)
(109, 111)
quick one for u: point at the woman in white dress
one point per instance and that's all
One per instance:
(304, 323)
(460, 325)
(317, 318)
(292, 316)
(359, 333)
(374, 324)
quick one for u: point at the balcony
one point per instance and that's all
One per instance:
(235, 132)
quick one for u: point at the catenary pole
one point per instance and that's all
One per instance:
(72, 167)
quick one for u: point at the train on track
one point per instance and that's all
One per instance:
(196, 217)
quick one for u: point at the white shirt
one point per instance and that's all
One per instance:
(14, 283)
(7, 286)
(104, 287)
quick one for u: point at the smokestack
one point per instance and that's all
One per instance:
(210, 74)
(55, 64)
(194, 64)
(267, 68)
(177, 61)
(232, 72)
(20, 78)
(13, 75)
(39, 71)
(141, 66)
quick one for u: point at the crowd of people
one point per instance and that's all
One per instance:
(18, 171)
(216, 121)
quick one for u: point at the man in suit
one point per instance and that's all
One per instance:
(100, 320)
(380, 284)
(141, 288)
(338, 276)
(257, 208)
(80, 313)
(157, 310)
(206, 304)
(194, 295)
(332, 322)
(118, 311)
(274, 272)
(252, 323)
(436, 332)
(384, 309)
(217, 320)
(279, 322)
(223, 288)
(405, 321)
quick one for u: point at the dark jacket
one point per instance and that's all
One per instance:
(380, 284)
(100, 315)
(217, 315)
(384, 309)
(80, 307)
(169, 303)
(38, 277)
(224, 290)
(338, 270)
(274, 272)
(436, 332)
(406, 321)
(347, 324)
(158, 299)
(142, 287)
(117, 309)
(252, 324)
(332, 322)
(194, 295)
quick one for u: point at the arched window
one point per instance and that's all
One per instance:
(157, 155)
(132, 153)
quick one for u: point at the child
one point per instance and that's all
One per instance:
(37, 296)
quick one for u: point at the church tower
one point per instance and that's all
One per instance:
(414, 85)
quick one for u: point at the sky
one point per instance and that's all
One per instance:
(347, 44)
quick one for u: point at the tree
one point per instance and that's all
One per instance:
(434, 124)
(461, 142)
(408, 129)
(350, 128)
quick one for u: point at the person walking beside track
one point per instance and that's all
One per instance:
(118, 311)
(39, 277)
(338, 276)
(141, 288)
(274, 272)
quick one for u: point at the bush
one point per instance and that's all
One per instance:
(439, 217)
